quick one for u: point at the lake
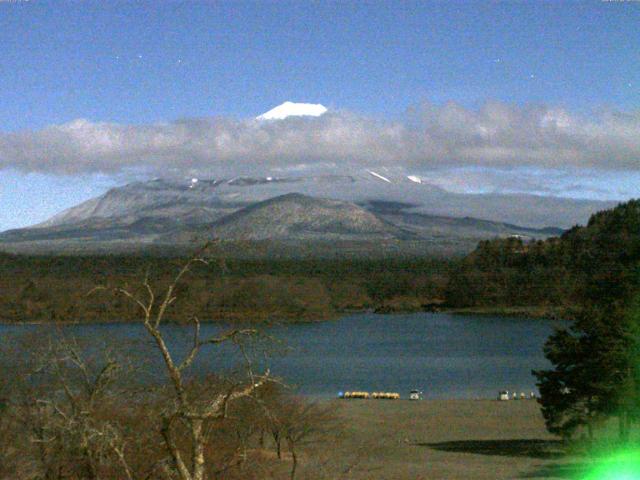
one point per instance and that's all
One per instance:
(444, 355)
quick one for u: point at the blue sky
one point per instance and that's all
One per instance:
(143, 63)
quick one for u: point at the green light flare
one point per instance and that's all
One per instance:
(623, 465)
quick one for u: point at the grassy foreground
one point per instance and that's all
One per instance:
(443, 439)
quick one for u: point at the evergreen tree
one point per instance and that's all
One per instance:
(596, 371)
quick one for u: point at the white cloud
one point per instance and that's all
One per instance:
(496, 135)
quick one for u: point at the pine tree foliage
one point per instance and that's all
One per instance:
(596, 361)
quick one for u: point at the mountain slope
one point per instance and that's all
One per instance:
(219, 197)
(298, 217)
(158, 198)
(365, 209)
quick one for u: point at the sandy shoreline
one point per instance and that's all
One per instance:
(444, 439)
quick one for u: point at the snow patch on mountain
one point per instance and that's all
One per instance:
(291, 109)
(377, 175)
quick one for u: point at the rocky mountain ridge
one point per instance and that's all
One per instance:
(294, 209)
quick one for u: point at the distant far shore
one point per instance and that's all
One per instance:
(532, 312)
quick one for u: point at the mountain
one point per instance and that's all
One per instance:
(322, 208)
(215, 198)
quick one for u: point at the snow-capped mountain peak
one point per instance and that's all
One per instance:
(291, 109)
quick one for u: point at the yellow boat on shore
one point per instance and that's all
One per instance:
(386, 395)
(374, 395)
(356, 395)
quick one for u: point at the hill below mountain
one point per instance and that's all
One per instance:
(298, 217)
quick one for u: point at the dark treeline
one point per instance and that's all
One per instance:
(599, 260)
(56, 288)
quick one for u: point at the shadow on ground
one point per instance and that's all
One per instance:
(532, 448)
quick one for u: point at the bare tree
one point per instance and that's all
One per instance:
(55, 412)
(73, 419)
(295, 422)
(302, 422)
(196, 413)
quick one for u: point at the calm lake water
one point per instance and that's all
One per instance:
(445, 356)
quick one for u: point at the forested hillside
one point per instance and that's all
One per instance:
(599, 260)
(55, 288)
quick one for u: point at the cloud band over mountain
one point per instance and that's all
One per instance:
(495, 135)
